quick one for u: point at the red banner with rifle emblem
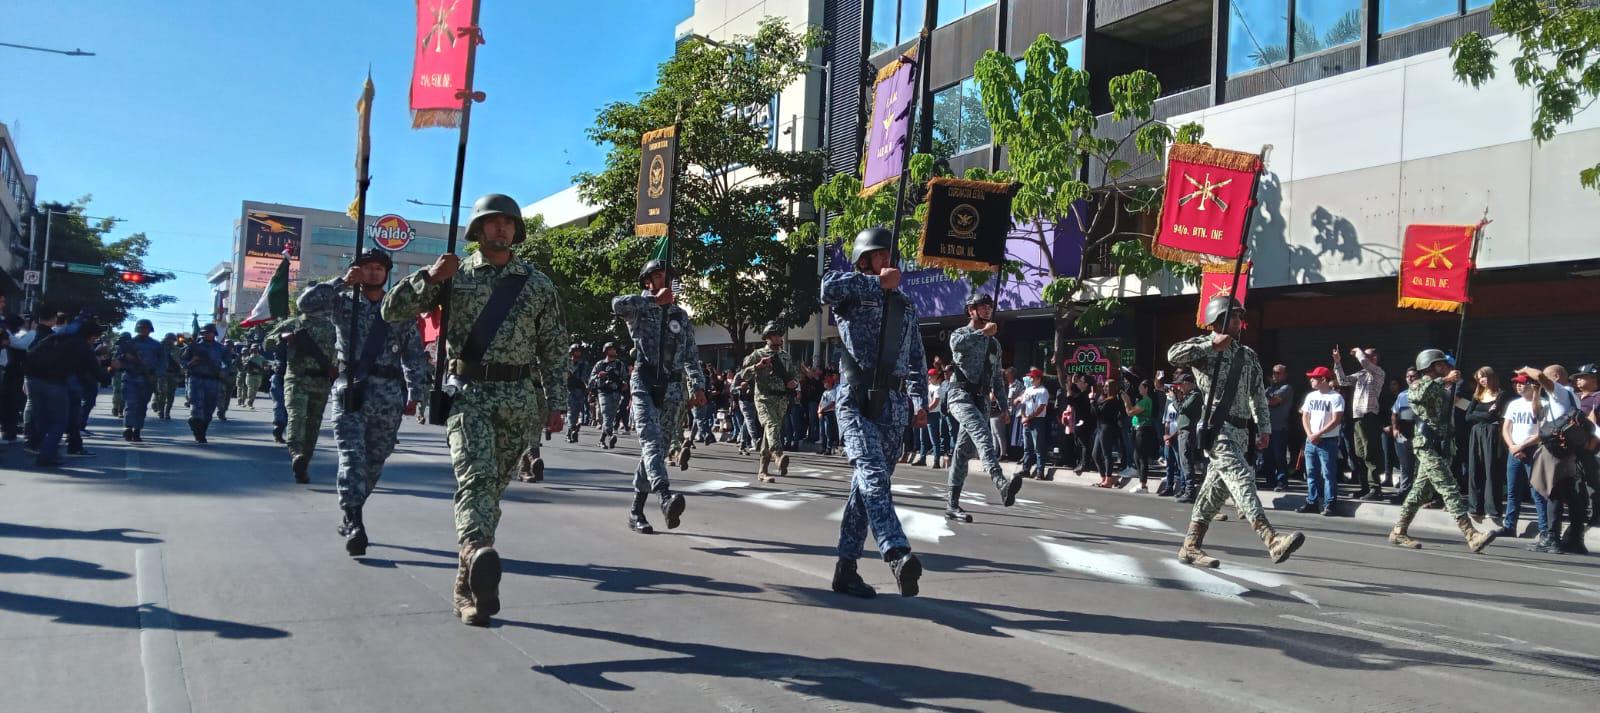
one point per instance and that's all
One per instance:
(1207, 204)
(1216, 279)
(440, 66)
(1435, 266)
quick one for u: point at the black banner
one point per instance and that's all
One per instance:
(967, 224)
(658, 159)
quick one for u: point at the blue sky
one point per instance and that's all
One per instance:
(192, 106)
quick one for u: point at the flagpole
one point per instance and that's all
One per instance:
(1461, 331)
(363, 180)
(1233, 289)
(919, 66)
(437, 402)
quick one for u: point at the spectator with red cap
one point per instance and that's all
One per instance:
(932, 437)
(1321, 415)
(1035, 424)
(1519, 430)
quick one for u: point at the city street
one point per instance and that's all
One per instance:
(176, 577)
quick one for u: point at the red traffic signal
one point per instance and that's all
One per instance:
(134, 277)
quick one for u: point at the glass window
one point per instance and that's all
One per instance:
(1258, 34)
(1475, 4)
(1395, 14)
(911, 19)
(959, 124)
(883, 25)
(974, 123)
(952, 10)
(1074, 49)
(1323, 24)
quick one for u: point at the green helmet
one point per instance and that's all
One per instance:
(495, 204)
(772, 328)
(1428, 357)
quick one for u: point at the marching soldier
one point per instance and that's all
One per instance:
(118, 398)
(280, 369)
(577, 391)
(1228, 472)
(1433, 444)
(883, 387)
(205, 360)
(167, 377)
(663, 340)
(608, 380)
(255, 367)
(382, 364)
(140, 358)
(976, 355)
(308, 373)
(505, 369)
(228, 382)
(772, 372)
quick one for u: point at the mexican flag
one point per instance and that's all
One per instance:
(274, 302)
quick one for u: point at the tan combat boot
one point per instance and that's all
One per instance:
(1190, 552)
(1398, 536)
(764, 474)
(1476, 540)
(464, 606)
(1279, 546)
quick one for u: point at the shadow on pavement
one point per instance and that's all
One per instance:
(933, 562)
(878, 683)
(117, 534)
(66, 611)
(606, 578)
(57, 567)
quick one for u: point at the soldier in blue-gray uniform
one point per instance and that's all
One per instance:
(280, 413)
(883, 384)
(204, 361)
(230, 377)
(577, 390)
(609, 379)
(381, 371)
(668, 363)
(141, 358)
(977, 383)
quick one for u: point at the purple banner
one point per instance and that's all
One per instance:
(893, 96)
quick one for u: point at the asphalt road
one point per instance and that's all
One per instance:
(176, 577)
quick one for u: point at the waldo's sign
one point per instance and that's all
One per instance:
(391, 232)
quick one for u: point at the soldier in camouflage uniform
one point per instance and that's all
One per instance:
(384, 362)
(280, 368)
(977, 384)
(1229, 471)
(205, 359)
(873, 441)
(1433, 444)
(609, 379)
(167, 377)
(309, 341)
(667, 364)
(226, 385)
(139, 358)
(502, 390)
(254, 369)
(577, 390)
(772, 372)
(118, 399)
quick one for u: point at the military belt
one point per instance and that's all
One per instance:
(1236, 422)
(478, 371)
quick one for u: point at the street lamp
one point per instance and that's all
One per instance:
(414, 201)
(74, 52)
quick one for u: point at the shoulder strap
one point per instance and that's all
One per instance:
(1223, 403)
(894, 317)
(371, 347)
(304, 343)
(493, 315)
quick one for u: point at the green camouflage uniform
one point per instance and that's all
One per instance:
(1433, 447)
(305, 383)
(1229, 471)
(492, 422)
(230, 375)
(255, 370)
(168, 380)
(772, 395)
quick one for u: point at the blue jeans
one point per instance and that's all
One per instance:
(1322, 473)
(1173, 481)
(1275, 459)
(52, 415)
(829, 425)
(1519, 486)
(932, 438)
(1035, 444)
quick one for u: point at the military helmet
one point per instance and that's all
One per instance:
(1428, 357)
(1220, 305)
(869, 240)
(575, 348)
(978, 298)
(495, 204)
(609, 346)
(653, 266)
(144, 323)
(374, 255)
(772, 328)
(208, 328)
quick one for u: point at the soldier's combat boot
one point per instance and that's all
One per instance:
(465, 607)
(1008, 487)
(355, 532)
(783, 464)
(683, 456)
(137, 436)
(194, 428)
(1398, 536)
(612, 444)
(1476, 541)
(127, 434)
(301, 464)
(203, 428)
(530, 467)
(636, 521)
(764, 474)
(672, 505)
(277, 433)
(953, 511)
(1279, 546)
(483, 578)
(1190, 552)
(846, 580)
(907, 570)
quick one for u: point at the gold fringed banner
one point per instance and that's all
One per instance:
(967, 224)
(442, 55)
(888, 142)
(1429, 305)
(435, 118)
(1216, 279)
(1435, 266)
(658, 171)
(1207, 204)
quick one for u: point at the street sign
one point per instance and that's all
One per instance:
(31, 277)
(79, 268)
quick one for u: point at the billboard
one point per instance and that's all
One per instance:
(267, 237)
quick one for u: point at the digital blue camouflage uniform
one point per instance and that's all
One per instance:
(608, 379)
(204, 359)
(141, 358)
(679, 366)
(280, 367)
(873, 442)
(1229, 471)
(367, 437)
(491, 423)
(976, 357)
(577, 396)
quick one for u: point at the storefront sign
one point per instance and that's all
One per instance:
(267, 238)
(391, 232)
(1098, 361)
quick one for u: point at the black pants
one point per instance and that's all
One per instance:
(1084, 437)
(1105, 439)
(1145, 442)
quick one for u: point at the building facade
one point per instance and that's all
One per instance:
(17, 213)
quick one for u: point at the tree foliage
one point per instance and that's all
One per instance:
(586, 279)
(78, 238)
(736, 193)
(1556, 58)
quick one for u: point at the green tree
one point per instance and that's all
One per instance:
(75, 237)
(736, 196)
(586, 280)
(1557, 44)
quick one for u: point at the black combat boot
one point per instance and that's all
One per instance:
(355, 532)
(846, 580)
(301, 464)
(636, 521)
(953, 510)
(277, 433)
(1008, 487)
(194, 428)
(204, 426)
(672, 505)
(127, 435)
(1572, 541)
(1191, 492)
(907, 570)
(137, 435)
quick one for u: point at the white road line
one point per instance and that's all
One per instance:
(1568, 620)
(712, 485)
(132, 468)
(1416, 643)
(165, 688)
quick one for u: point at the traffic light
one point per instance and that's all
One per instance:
(134, 277)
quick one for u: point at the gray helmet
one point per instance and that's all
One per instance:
(374, 255)
(1220, 305)
(869, 240)
(495, 204)
(772, 328)
(978, 298)
(144, 323)
(653, 266)
(1428, 357)
(575, 348)
(609, 346)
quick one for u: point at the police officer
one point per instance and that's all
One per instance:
(228, 382)
(1219, 355)
(577, 391)
(973, 392)
(608, 380)
(1432, 445)
(884, 386)
(663, 340)
(139, 359)
(506, 381)
(205, 360)
(771, 372)
(308, 340)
